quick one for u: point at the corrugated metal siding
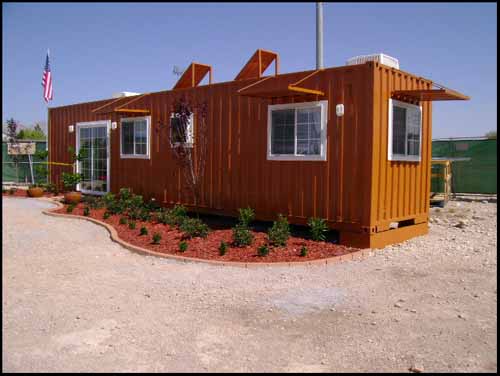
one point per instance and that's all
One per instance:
(400, 190)
(237, 172)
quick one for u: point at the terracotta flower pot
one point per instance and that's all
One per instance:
(35, 192)
(72, 197)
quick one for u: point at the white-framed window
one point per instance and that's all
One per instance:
(135, 137)
(180, 135)
(297, 131)
(405, 131)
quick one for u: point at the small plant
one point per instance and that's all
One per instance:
(70, 180)
(123, 220)
(242, 236)
(12, 190)
(106, 215)
(131, 225)
(143, 231)
(86, 211)
(70, 208)
(156, 238)
(179, 211)
(318, 228)
(303, 251)
(125, 194)
(144, 215)
(194, 228)
(263, 250)
(279, 233)
(183, 246)
(222, 248)
(246, 216)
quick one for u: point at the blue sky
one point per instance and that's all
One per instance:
(101, 48)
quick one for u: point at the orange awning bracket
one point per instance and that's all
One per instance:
(193, 75)
(257, 65)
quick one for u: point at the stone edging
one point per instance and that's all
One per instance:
(358, 255)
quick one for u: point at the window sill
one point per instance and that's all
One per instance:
(405, 159)
(128, 156)
(317, 158)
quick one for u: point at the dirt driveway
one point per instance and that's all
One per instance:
(75, 301)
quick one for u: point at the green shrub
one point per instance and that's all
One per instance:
(106, 215)
(279, 233)
(125, 194)
(93, 202)
(193, 228)
(156, 238)
(263, 250)
(318, 228)
(70, 208)
(86, 211)
(143, 231)
(183, 246)
(179, 211)
(108, 199)
(133, 214)
(246, 216)
(144, 215)
(222, 248)
(242, 236)
(123, 220)
(303, 251)
(131, 225)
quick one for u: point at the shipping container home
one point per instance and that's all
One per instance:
(351, 144)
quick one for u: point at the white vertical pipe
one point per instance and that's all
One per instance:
(319, 35)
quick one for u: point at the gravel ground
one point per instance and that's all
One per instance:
(75, 301)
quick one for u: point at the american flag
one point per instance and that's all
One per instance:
(47, 81)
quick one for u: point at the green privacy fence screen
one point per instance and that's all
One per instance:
(479, 174)
(20, 172)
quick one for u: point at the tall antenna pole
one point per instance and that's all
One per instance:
(319, 35)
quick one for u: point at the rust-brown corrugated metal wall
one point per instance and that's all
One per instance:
(355, 189)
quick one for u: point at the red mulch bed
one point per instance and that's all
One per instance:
(208, 248)
(24, 193)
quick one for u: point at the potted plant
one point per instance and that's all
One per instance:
(70, 180)
(36, 190)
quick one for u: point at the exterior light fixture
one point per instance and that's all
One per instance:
(113, 125)
(339, 109)
(71, 128)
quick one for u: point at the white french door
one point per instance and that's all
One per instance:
(93, 139)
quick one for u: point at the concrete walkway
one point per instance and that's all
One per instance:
(74, 301)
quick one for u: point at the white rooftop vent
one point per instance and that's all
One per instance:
(124, 94)
(380, 58)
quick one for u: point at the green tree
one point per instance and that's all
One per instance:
(491, 134)
(31, 134)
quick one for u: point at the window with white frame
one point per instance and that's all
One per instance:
(181, 134)
(135, 138)
(297, 131)
(405, 131)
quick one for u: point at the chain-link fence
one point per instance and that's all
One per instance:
(16, 169)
